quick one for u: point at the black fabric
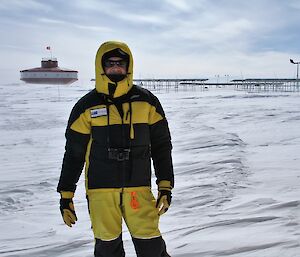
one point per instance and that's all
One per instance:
(154, 247)
(73, 160)
(76, 144)
(105, 173)
(92, 98)
(114, 174)
(111, 88)
(115, 53)
(113, 248)
(161, 151)
(115, 78)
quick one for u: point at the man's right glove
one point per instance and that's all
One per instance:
(67, 208)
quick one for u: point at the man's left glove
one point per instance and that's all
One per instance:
(163, 201)
(164, 197)
(67, 208)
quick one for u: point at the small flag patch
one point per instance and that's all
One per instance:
(98, 112)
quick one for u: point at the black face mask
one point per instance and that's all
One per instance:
(116, 77)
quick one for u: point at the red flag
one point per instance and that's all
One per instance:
(48, 48)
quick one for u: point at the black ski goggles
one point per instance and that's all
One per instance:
(111, 63)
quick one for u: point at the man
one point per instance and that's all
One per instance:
(114, 130)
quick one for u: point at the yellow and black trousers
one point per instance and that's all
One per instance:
(136, 206)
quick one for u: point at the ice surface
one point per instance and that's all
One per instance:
(236, 160)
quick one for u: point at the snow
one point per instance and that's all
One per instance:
(236, 160)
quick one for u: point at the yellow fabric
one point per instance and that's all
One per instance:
(138, 115)
(142, 222)
(164, 185)
(92, 192)
(83, 123)
(102, 80)
(68, 217)
(163, 205)
(138, 211)
(114, 118)
(131, 132)
(66, 194)
(138, 110)
(154, 116)
(105, 214)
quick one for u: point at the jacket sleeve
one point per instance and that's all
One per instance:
(161, 145)
(77, 138)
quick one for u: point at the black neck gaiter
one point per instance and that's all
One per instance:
(116, 77)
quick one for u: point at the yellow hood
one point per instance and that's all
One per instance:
(102, 81)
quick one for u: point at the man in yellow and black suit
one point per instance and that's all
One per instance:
(114, 131)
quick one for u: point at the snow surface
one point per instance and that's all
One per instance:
(236, 160)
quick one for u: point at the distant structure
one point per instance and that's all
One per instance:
(249, 84)
(267, 84)
(49, 73)
(169, 83)
(263, 84)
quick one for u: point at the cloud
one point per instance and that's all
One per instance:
(140, 18)
(294, 4)
(181, 5)
(192, 36)
(71, 24)
(17, 5)
(211, 34)
(52, 21)
(115, 11)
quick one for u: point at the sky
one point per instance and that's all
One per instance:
(224, 39)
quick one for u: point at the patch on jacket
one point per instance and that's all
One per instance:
(98, 112)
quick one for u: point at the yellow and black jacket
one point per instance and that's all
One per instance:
(114, 131)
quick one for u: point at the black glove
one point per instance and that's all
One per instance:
(67, 211)
(163, 201)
